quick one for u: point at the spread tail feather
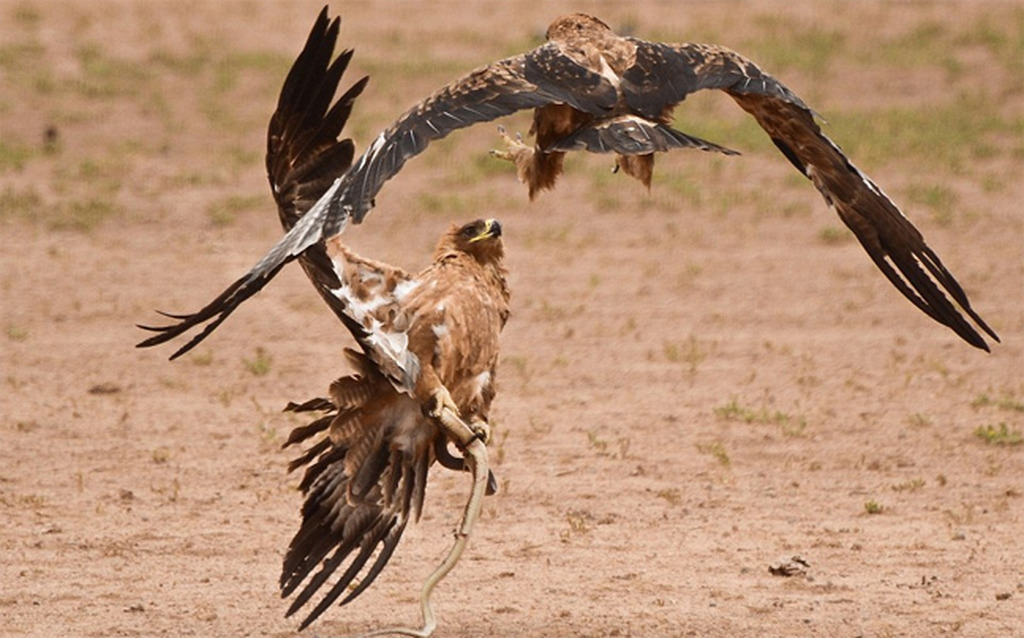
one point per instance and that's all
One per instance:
(632, 135)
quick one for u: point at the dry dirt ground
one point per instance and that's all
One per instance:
(696, 383)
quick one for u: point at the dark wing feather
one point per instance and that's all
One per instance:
(354, 515)
(665, 74)
(543, 76)
(304, 156)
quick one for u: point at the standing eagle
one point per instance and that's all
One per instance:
(424, 372)
(425, 375)
(594, 90)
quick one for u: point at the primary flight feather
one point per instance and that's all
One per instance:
(428, 352)
(594, 90)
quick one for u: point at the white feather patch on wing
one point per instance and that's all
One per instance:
(384, 339)
(394, 344)
(359, 309)
(404, 288)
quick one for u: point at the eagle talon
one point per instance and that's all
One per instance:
(514, 147)
(481, 431)
(440, 400)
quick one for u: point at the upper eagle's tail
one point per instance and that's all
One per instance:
(632, 135)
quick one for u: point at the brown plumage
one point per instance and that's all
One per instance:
(368, 458)
(428, 347)
(597, 91)
(428, 343)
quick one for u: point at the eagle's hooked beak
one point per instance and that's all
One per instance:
(492, 228)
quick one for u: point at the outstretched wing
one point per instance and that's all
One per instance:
(304, 156)
(665, 74)
(365, 478)
(546, 75)
(543, 76)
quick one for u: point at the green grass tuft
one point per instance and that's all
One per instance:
(835, 235)
(26, 15)
(83, 215)
(19, 204)
(1006, 402)
(943, 135)
(789, 424)
(999, 434)
(716, 450)
(225, 212)
(690, 352)
(16, 332)
(786, 45)
(941, 199)
(260, 364)
(13, 156)
(910, 485)
(105, 77)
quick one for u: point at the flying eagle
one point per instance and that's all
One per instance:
(423, 375)
(594, 90)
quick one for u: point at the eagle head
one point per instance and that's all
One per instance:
(575, 26)
(480, 239)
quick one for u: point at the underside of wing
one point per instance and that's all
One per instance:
(540, 77)
(665, 74)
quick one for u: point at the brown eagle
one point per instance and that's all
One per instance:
(429, 351)
(594, 90)
(424, 373)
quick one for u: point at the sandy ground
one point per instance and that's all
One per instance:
(696, 383)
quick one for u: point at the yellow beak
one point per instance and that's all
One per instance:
(492, 228)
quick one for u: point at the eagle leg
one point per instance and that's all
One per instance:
(516, 152)
(440, 400)
(482, 430)
(640, 167)
(476, 457)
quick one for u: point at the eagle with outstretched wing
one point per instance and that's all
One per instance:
(423, 376)
(369, 455)
(594, 90)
